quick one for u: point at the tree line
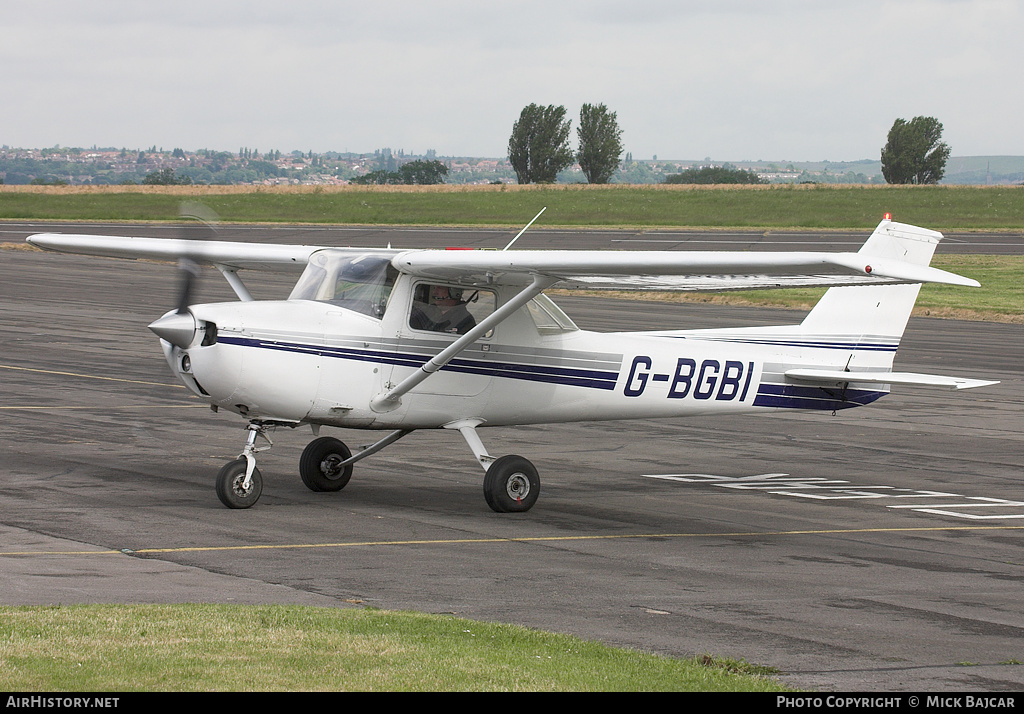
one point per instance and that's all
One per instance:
(538, 149)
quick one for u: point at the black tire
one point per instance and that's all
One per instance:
(229, 485)
(318, 465)
(511, 485)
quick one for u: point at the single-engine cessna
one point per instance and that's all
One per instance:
(400, 340)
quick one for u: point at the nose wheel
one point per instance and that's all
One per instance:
(239, 483)
(234, 489)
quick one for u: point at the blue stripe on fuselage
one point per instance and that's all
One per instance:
(593, 379)
(789, 396)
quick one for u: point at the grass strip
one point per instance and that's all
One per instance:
(124, 648)
(779, 206)
(999, 299)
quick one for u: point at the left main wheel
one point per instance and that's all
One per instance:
(511, 485)
(230, 488)
(319, 465)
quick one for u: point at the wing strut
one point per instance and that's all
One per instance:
(391, 399)
(231, 275)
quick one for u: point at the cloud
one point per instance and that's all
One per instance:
(793, 79)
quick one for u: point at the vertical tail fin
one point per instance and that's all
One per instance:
(872, 318)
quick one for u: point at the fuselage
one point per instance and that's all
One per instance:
(322, 362)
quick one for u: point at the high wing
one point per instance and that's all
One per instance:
(669, 270)
(894, 253)
(236, 256)
(636, 270)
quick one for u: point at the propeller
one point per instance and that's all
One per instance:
(179, 327)
(199, 228)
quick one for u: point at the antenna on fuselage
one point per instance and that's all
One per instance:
(524, 229)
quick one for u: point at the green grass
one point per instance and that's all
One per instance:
(999, 299)
(860, 207)
(284, 648)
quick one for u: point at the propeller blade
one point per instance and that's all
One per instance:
(200, 227)
(188, 272)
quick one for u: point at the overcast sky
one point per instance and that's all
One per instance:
(796, 80)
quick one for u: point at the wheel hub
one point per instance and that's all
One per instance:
(238, 486)
(330, 467)
(518, 486)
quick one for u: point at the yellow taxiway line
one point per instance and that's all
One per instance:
(531, 539)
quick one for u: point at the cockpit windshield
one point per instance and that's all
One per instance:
(359, 282)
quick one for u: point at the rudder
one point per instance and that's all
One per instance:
(875, 314)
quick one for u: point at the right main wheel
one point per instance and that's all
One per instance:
(319, 465)
(511, 485)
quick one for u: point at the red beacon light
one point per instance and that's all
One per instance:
(887, 216)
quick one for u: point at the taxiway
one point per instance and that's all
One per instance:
(877, 549)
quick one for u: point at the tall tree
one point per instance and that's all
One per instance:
(715, 175)
(165, 177)
(423, 172)
(539, 146)
(600, 142)
(914, 152)
(413, 172)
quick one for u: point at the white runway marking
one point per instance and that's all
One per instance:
(822, 489)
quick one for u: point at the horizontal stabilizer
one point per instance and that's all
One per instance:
(837, 378)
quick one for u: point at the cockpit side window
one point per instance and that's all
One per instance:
(361, 283)
(448, 308)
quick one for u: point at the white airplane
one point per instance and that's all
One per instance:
(400, 340)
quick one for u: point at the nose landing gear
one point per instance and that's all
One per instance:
(239, 483)
(236, 488)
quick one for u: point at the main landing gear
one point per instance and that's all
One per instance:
(511, 483)
(320, 465)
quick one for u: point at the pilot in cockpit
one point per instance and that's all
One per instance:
(440, 308)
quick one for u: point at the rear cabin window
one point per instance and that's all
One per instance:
(548, 317)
